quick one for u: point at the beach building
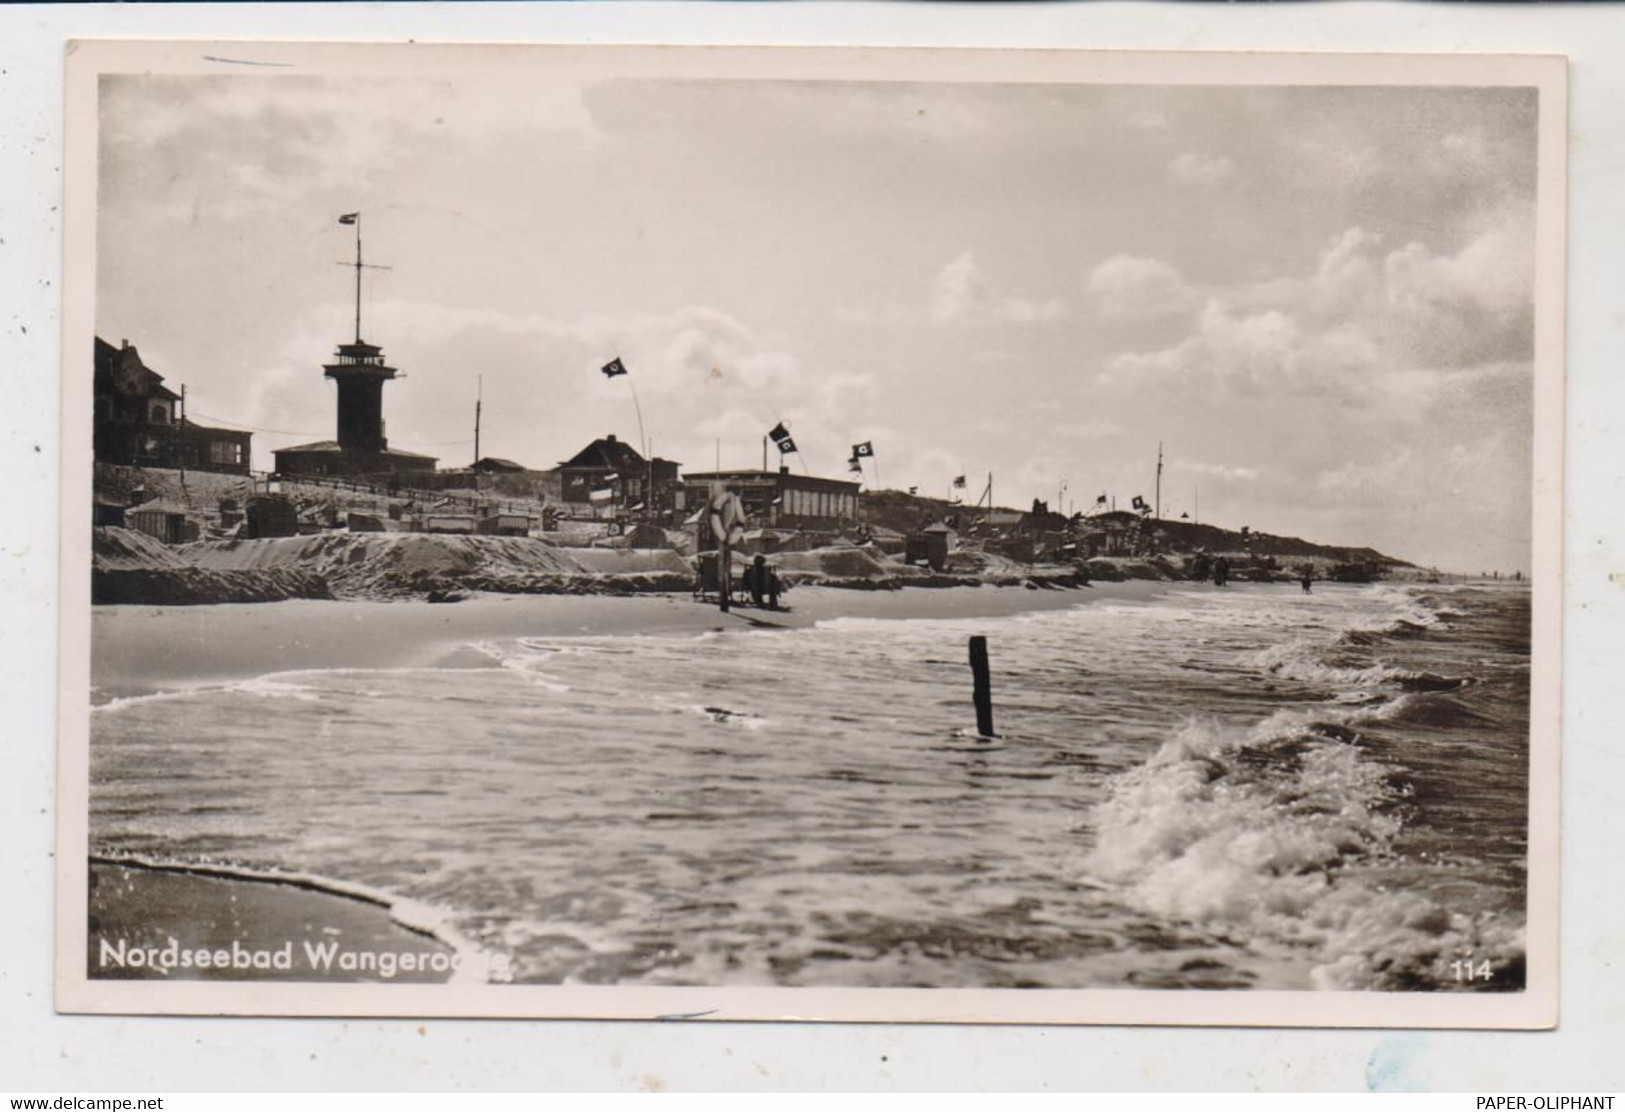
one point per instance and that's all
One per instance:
(270, 515)
(614, 479)
(107, 511)
(361, 450)
(495, 465)
(781, 499)
(141, 422)
(931, 546)
(165, 521)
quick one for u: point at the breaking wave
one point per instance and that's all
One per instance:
(1283, 834)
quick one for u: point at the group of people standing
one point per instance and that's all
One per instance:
(1217, 568)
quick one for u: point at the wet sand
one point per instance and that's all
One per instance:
(140, 650)
(136, 912)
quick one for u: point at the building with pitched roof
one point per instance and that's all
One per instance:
(141, 422)
(611, 474)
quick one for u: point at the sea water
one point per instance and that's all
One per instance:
(1248, 787)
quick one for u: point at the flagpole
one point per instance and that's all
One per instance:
(1158, 510)
(358, 277)
(643, 441)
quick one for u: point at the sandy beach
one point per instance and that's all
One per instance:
(141, 650)
(138, 915)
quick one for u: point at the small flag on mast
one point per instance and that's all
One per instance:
(859, 451)
(613, 367)
(349, 218)
(959, 482)
(1101, 501)
(778, 433)
(786, 445)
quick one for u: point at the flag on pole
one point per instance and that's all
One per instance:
(860, 451)
(779, 434)
(786, 445)
(1101, 501)
(959, 482)
(349, 218)
(613, 367)
(855, 465)
(914, 490)
(1139, 503)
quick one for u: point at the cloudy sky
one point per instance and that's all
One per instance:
(1319, 300)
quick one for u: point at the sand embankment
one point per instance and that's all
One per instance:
(393, 565)
(132, 567)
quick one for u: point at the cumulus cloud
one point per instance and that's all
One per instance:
(1206, 171)
(1133, 286)
(1366, 314)
(962, 292)
(241, 144)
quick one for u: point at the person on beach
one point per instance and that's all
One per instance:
(763, 583)
(1201, 566)
(1308, 579)
(1221, 571)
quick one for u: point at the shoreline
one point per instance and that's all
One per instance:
(148, 650)
(193, 922)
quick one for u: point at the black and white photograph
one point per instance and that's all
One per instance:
(1007, 535)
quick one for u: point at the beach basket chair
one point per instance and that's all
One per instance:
(712, 583)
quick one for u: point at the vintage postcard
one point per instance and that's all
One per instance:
(1091, 553)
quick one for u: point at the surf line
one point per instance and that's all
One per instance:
(412, 916)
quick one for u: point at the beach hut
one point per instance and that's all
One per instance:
(107, 511)
(163, 520)
(270, 515)
(445, 523)
(503, 523)
(930, 546)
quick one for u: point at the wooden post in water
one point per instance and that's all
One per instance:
(983, 690)
(724, 574)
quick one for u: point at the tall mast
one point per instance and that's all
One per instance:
(358, 277)
(479, 396)
(1157, 509)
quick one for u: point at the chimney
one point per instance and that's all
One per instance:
(124, 345)
(784, 469)
(610, 438)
